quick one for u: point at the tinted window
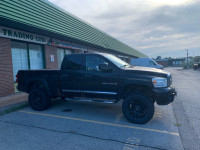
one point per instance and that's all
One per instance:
(93, 61)
(74, 62)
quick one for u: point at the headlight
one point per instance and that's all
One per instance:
(159, 82)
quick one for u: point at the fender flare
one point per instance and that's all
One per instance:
(37, 81)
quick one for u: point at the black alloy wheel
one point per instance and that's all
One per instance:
(38, 99)
(138, 108)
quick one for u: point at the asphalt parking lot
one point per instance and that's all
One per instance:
(78, 125)
(187, 105)
(95, 126)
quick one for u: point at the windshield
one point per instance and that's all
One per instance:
(152, 62)
(117, 61)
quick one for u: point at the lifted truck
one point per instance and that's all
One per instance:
(100, 78)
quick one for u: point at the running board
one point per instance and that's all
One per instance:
(91, 100)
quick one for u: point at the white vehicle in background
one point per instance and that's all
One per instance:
(145, 62)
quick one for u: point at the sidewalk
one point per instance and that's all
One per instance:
(13, 102)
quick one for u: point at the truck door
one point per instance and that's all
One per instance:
(71, 75)
(98, 84)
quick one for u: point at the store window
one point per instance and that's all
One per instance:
(61, 52)
(19, 57)
(26, 56)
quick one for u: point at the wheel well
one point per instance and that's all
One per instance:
(137, 89)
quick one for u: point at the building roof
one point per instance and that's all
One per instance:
(43, 17)
(177, 59)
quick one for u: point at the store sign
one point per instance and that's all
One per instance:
(64, 44)
(79, 47)
(21, 35)
(60, 43)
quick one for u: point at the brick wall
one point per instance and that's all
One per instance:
(50, 50)
(6, 69)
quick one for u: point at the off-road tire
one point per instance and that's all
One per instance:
(138, 108)
(39, 99)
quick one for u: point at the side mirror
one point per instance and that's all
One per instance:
(105, 68)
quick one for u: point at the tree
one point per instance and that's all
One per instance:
(158, 57)
(196, 59)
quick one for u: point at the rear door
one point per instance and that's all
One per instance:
(71, 75)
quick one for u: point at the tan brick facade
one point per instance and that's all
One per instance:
(6, 68)
(50, 50)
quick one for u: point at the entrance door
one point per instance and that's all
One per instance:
(36, 57)
(61, 54)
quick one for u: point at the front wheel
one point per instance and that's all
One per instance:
(138, 108)
(38, 99)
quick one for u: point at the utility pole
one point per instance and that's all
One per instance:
(187, 56)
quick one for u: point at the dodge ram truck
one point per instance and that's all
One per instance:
(101, 78)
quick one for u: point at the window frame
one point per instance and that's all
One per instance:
(110, 63)
(64, 66)
(98, 57)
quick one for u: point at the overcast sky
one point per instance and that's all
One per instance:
(154, 27)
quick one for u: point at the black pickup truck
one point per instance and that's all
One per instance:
(100, 78)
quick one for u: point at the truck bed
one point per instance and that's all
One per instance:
(49, 77)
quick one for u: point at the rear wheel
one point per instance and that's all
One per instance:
(39, 99)
(138, 108)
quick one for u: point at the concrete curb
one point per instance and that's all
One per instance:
(13, 102)
(13, 108)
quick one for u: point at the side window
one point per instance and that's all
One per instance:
(74, 62)
(93, 61)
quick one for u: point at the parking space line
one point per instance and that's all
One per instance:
(103, 123)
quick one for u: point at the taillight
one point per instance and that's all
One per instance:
(16, 78)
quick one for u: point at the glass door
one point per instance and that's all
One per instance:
(36, 57)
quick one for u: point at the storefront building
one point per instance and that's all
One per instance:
(38, 34)
(163, 62)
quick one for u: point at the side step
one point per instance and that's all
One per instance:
(91, 100)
